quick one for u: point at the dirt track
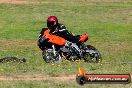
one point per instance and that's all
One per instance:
(21, 2)
(37, 77)
(13, 1)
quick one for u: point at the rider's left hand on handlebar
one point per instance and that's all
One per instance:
(68, 43)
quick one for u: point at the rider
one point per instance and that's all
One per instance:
(58, 29)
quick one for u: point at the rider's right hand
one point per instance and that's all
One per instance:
(43, 39)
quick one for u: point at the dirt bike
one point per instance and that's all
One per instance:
(70, 51)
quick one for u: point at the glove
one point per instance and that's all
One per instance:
(42, 39)
(68, 44)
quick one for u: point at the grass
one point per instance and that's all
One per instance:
(107, 23)
(53, 84)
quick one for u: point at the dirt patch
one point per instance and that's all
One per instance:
(119, 48)
(17, 44)
(13, 1)
(38, 77)
(21, 2)
(73, 1)
(12, 59)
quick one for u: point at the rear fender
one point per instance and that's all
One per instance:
(84, 37)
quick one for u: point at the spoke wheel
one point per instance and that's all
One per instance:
(49, 57)
(93, 56)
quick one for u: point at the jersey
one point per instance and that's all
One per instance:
(61, 31)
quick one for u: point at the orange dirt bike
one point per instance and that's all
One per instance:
(69, 50)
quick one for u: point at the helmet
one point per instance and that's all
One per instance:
(52, 22)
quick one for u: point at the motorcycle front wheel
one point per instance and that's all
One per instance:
(49, 56)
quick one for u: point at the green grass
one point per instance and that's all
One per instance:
(53, 84)
(107, 23)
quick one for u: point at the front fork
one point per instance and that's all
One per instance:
(54, 52)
